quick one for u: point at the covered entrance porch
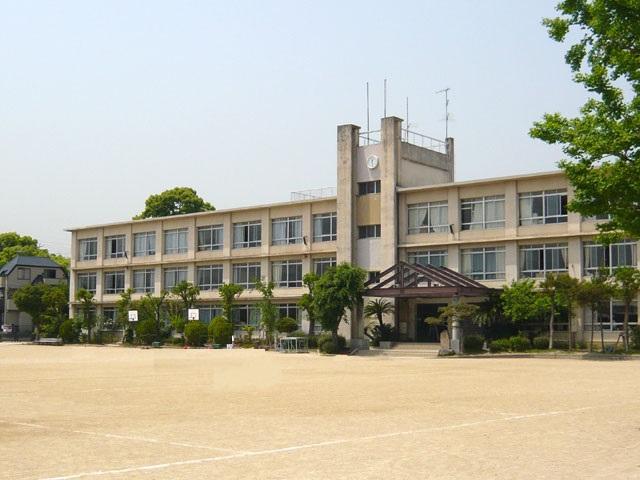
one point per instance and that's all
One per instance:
(418, 292)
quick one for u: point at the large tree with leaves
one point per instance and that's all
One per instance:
(176, 201)
(603, 142)
(626, 285)
(306, 302)
(13, 244)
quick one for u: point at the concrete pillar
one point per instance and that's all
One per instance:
(391, 144)
(348, 139)
(451, 154)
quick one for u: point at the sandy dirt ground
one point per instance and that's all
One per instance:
(109, 412)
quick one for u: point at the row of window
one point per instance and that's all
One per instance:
(284, 274)
(542, 207)
(24, 273)
(284, 231)
(488, 263)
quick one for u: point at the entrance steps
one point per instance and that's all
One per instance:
(405, 349)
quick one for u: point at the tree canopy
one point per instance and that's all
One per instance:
(176, 201)
(12, 244)
(603, 142)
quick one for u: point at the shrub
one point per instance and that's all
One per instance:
(220, 330)
(298, 333)
(500, 345)
(313, 341)
(195, 333)
(326, 343)
(541, 343)
(581, 345)
(128, 335)
(146, 331)
(561, 344)
(177, 341)
(286, 325)
(634, 338)
(473, 343)
(68, 331)
(519, 343)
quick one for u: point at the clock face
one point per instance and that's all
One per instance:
(372, 161)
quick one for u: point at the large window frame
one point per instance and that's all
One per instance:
(434, 258)
(484, 263)
(369, 188)
(209, 277)
(596, 256)
(87, 249)
(321, 265)
(246, 274)
(144, 244)
(209, 312)
(538, 260)
(612, 318)
(543, 207)
(428, 217)
(286, 273)
(247, 234)
(246, 315)
(286, 230)
(115, 246)
(176, 241)
(482, 213)
(172, 276)
(210, 237)
(87, 281)
(325, 227)
(143, 280)
(113, 282)
(369, 231)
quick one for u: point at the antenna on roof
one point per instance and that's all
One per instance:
(368, 129)
(446, 110)
(385, 98)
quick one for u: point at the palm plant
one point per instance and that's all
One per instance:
(377, 309)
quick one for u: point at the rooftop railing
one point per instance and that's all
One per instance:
(313, 194)
(374, 136)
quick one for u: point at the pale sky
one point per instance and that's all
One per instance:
(105, 103)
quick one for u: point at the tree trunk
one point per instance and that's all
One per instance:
(312, 325)
(551, 319)
(593, 321)
(602, 332)
(569, 317)
(626, 327)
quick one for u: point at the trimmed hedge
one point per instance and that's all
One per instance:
(473, 343)
(326, 344)
(519, 344)
(541, 343)
(220, 330)
(286, 325)
(195, 333)
(500, 345)
(68, 331)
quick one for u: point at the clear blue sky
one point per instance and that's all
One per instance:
(104, 103)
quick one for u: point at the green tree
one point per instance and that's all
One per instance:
(87, 308)
(286, 325)
(626, 285)
(229, 292)
(268, 311)
(603, 142)
(559, 292)
(338, 289)
(381, 331)
(188, 293)
(176, 201)
(151, 316)
(306, 302)
(123, 305)
(13, 244)
(521, 302)
(29, 299)
(454, 311)
(596, 294)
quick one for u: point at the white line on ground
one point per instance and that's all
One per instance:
(123, 437)
(294, 448)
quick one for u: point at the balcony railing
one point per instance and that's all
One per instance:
(375, 136)
(314, 193)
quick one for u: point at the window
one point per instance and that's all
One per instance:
(369, 231)
(482, 212)
(114, 282)
(321, 265)
(24, 273)
(366, 188)
(325, 227)
(608, 256)
(428, 217)
(173, 276)
(210, 237)
(436, 258)
(243, 315)
(144, 244)
(144, 281)
(209, 312)
(538, 260)
(209, 277)
(373, 276)
(246, 274)
(290, 310)
(115, 246)
(87, 249)
(109, 318)
(49, 273)
(612, 317)
(247, 234)
(175, 241)
(287, 273)
(286, 231)
(87, 281)
(549, 206)
(485, 263)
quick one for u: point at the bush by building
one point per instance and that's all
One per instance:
(326, 343)
(195, 334)
(69, 331)
(500, 345)
(473, 343)
(519, 344)
(541, 343)
(286, 325)
(220, 330)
